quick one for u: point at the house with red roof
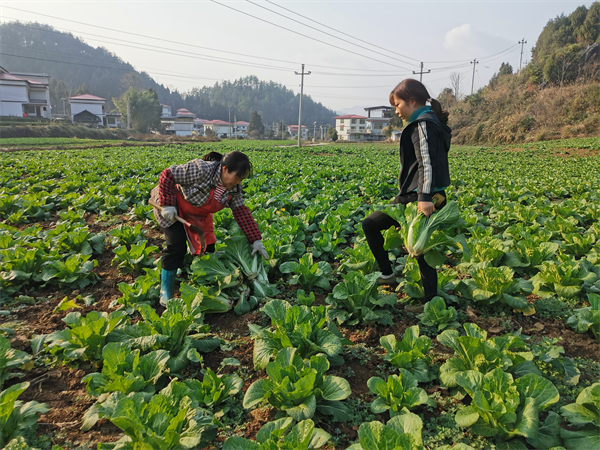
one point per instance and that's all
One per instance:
(352, 127)
(293, 130)
(24, 95)
(87, 109)
(218, 127)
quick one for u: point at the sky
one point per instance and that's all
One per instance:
(356, 51)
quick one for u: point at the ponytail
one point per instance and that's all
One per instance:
(436, 107)
(412, 89)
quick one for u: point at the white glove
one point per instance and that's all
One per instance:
(260, 248)
(168, 212)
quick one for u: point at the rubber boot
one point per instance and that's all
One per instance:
(167, 286)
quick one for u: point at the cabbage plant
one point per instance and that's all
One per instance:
(280, 435)
(402, 432)
(300, 388)
(584, 414)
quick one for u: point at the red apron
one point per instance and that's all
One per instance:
(201, 217)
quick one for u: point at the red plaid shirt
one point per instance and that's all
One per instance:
(195, 180)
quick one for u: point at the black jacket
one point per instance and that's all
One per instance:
(424, 146)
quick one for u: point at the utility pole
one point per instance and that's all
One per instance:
(300, 109)
(474, 62)
(321, 127)
(229, 109)
(128, 116)
(234, 127)
(421, 72)
(523, 41)
(314, 130)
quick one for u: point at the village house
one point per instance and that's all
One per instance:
(199, 126)
(352, 127)
(293, 130)
(166, 112)
(24, 95)
(88, 109)
(241, 129)
(183, 123)
(218, 127)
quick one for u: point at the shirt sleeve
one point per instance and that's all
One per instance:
(422, 153)
(166, 189)
(244, 219)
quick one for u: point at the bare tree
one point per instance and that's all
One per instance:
(456, 80)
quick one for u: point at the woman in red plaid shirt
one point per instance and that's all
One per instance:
(195, 191)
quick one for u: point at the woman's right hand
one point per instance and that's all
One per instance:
(168, 212)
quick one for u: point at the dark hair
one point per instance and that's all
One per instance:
(410, 89)
(239, 163)
(212, 156)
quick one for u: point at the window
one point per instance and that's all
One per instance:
(362, 121)
(377, 125)
(111, 120)
(341, 127)
(341, 120)
(353, 121)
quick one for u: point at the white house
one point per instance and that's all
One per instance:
(241, 129)
(87, 108)
(183, 123)
(351, 127)
(24, 95)
(114, 120)
(219, 127)
(199, 126)
(293, 130)
(166, 112)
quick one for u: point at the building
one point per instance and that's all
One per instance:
(241, 129)
(24, 95)
(293, 130)
(88, 109)
(166, 112)
(199, 126)
(218, 127)
(114, 120)
(183, 123)
(351, 127)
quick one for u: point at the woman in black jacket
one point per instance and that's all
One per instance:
(424, 175)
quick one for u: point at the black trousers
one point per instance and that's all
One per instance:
(377, 222)
(176, 247)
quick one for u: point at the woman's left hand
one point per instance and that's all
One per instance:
(258, 246)
(426, 207)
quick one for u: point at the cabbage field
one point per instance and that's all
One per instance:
(305, 350)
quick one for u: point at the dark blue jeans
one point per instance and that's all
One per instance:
(176, 247)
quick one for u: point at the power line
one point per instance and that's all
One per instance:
(165, 40)
(306, 36)
(321, 31)
(159, 39)
(341, 32)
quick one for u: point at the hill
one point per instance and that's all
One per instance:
(76, 67)
(557, 95)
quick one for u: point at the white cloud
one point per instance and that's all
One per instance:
(467, 41)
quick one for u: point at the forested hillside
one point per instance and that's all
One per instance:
(76, 67)
(557, 95)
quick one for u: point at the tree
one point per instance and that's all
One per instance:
(58, 92)
(447, 98)
(332, 134)
(505, 69)
(270, 134)
(131, 80)
(456, 84)
(83, 89)
(589, 32)
(256, 124)
(144, 108)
